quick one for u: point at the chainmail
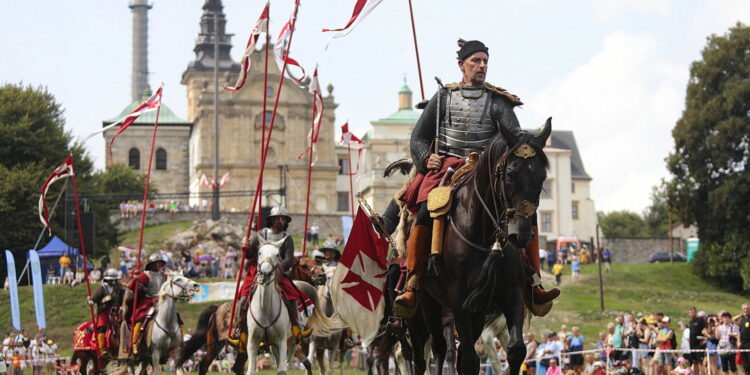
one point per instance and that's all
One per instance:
(423, 135)
(286, 252)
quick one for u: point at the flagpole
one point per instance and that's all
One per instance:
(416, 49)
(85, 261)
(263, 162)
(143, 218)
(265, 101)
(309, 176)
(351, 185)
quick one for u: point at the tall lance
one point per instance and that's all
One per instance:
(246, 240)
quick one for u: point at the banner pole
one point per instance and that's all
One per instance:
(85, 261)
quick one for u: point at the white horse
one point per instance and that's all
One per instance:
(496, 329)
(329, 337)
(267, 318)
(165, 330)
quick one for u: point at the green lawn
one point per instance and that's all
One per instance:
(640, 289)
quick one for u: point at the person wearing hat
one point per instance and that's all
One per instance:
(107, 297)
(149, 282)
(331, 252)
(665, 341)
(277, 224)
(319, 257)
(470, 114)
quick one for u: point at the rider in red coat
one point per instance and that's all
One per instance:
(149, 282)
(276, 225)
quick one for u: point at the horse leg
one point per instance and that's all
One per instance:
(320, 356)
(239, 363)
(488, 338)
(207, 359)
(252, 355)
(465, 325)
(284, 353)
(434, 324)
(514, 312)
(155, 357)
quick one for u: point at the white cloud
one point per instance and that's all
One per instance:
(609, 9)
(621, 104)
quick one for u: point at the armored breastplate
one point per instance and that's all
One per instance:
(269, 235)
(154, 283)
(466, 126)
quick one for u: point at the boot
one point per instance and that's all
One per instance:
(416, 248)
(136, 336)
(240, 344)
(539, 295)
(240, 317)
(101, 338)
(297, 332)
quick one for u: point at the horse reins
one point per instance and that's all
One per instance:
(499, 219)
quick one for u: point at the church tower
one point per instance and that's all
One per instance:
(240, 122)
(169, 172)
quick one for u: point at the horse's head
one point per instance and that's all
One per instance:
(268, 260)
(522, 170)
(178, 286)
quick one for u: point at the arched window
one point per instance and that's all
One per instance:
(161, 159)
(134, 158)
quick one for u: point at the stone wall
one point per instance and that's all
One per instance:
(635, 250)
(329, 224)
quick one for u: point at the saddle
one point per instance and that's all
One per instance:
(440, 198)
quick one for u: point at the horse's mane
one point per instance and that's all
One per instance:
(498, 146)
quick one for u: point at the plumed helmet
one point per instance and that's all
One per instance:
(280, 211)
(328, 244)
(111, 274)
(153, 258)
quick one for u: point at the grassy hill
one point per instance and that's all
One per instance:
(638, 289)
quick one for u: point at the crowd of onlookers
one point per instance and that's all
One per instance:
(20, 351)
(647, 345)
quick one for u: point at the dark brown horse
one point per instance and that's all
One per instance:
(482, 274)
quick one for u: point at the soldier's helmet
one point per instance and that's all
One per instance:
(111, 274)
(329, 244)
(153, 258)
(280, 211)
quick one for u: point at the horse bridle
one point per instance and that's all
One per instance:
(501, 219)
(273, 272)
(185, 294)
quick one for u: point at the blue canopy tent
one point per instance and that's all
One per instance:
(55, 248)
(51, 253)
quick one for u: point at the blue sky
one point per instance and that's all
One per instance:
(612, 71)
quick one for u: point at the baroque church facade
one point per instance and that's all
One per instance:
(185, 148)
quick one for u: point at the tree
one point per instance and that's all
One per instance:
(622, 224)
(31, 127)
(656, 215)
(711, 183)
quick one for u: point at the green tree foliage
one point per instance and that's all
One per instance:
(656, 215)
(31, 127)
(33, 141)
(711, 184)
(622, 224)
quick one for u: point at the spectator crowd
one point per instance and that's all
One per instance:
(702, 344)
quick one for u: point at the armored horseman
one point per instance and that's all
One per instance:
(461, 119)
(275, 230)
(149, 282)
(107, 297)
